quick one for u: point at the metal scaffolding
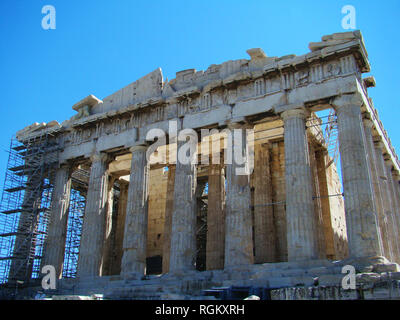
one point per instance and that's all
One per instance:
(25, 206)
(331, 137)
(74, 232)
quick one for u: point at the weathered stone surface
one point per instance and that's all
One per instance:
(238, 220)
(91, 248)
(301, 230)
(183, 236)
(389, 267)
(215, 218)
(55, 242)
(330, 280)
(361, 218)
(134, 245)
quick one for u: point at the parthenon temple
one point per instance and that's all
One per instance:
(104, 198)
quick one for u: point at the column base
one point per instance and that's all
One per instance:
(308, 280)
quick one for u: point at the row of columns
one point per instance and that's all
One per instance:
(371, 196)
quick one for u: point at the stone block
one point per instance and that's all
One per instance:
(367, 278)
(348, 295)
(278, 294)
(302, 281)
(318, 271)
(279, 282)
(386, 267)
(71, 297)
(330, 280)
(172, 296)
(329, 293)
(395, 275)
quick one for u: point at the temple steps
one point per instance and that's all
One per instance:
(319, 279)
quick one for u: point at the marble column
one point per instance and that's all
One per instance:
(321, 236)
(169, 207)
(386, 205)
(301, 225)
(396, 202)
(109, 230)
(184, 217)
(92, 241)
(57, 230)
(264, 225)
(238, 218)
(119, 232)
(323, 191)
(394, 227)
(215, 218)
(361, 217)
(135, 235)
(376, 188)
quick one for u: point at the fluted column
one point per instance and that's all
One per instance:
(238, 219)
(91, 248)
(388, 250)
(57, 230)
(119, 232)
(382, 182)
(215, 218)
(361, 218)
(301, 228)
(135, 235)
(184, 216)
(169, 207)
(396, 202)
(109, 230)
(376, 188)
(323, 191)
(394, 227)
(264, 226)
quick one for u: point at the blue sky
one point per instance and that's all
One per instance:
(100, 46)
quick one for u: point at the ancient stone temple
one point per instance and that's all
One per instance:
(106, 199)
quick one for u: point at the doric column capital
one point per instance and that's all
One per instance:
(66, 167)
(138, 148)
(379, 145)
(345, 100)
(368, 123)
(388, 160)
(295, 113)
(99, 157)
(396, 175)
(239, 125)
(388, 163)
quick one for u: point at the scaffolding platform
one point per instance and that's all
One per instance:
(24, 207)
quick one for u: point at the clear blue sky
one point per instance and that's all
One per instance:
(100, 46)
